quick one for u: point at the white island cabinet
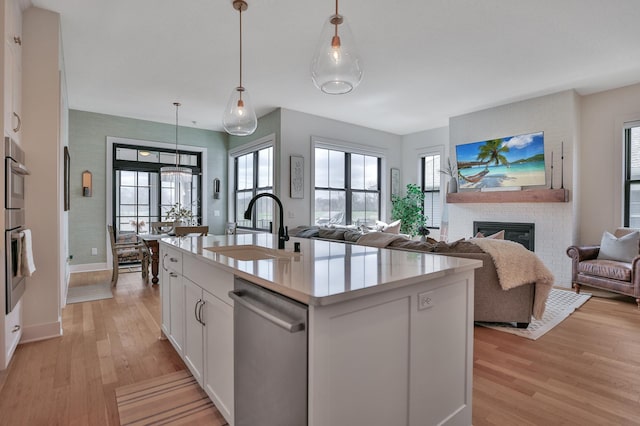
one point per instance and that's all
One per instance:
(390, 333)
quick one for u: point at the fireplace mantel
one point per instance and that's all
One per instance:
(524, 196)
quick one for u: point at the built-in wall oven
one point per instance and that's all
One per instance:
(15, 172)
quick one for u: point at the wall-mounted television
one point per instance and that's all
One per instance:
(514, 161)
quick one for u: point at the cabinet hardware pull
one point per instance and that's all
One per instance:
(16, 328)
(200, 313)
(173, 275)
(17, 128)
(238, 297)
(173, 259)
(17, 40)
(163, 258)
(195, 311)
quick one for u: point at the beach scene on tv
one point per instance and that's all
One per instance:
(506, 162)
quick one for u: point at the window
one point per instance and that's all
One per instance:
(139, 195)
(254, 175)
(632, 175)
(431, 189)
(347, 187)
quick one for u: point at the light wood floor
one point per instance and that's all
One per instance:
(586, 371)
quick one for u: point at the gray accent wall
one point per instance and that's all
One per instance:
(88, 133)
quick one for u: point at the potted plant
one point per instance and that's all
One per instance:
(408, 209)
(180, 215)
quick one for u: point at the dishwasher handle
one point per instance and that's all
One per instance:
(291, 328)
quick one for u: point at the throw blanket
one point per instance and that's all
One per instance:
(517, 266)
(379, 239)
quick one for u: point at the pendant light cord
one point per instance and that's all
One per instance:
(240, 10)
(336, 24)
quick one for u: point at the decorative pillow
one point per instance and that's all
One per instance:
(497, 236)
(622, 249)
(390, 228)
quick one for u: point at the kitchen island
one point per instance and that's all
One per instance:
(389, 332)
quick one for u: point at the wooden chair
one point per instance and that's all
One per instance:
(161, 227)
(138, 247)
(181, 231)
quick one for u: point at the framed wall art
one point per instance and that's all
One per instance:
(297, 176)
(395, 182)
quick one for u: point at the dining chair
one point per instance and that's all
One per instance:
(138, 247)
(161, 227)
(181, 231)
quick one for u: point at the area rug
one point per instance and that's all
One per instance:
(88, 293)
(174, 398)
(560, 304)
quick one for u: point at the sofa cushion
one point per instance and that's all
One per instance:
(622, 249)
(331, 234)
(612, 269)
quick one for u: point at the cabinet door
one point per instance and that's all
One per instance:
(193, 349)
(176, 288)
(13, 69)
(218, 341)
(165, 294)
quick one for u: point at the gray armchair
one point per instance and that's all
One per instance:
(611, 275)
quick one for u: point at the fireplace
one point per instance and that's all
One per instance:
(523, 233)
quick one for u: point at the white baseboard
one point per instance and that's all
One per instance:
(89, 267)
(33, 333)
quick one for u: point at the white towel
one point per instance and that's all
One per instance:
(28, 267)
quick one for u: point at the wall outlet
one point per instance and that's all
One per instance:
(216, 213)
(425, 300)
(94, 251)
(291, 214)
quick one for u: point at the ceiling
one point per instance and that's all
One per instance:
(424, 60)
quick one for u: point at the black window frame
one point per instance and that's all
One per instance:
(347, 189)
(254, 190)
(141, 166)
(435, 193)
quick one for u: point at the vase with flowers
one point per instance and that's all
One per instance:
(180, 215)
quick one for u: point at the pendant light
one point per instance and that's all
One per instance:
(336, 67)
(239, 117)
(176, 173)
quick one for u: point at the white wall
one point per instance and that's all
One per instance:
(601, 159)
(556, 115)
(41, 112)
(297, 128)
(417, 143)
(413, 148)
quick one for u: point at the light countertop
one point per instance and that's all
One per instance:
(324, 272)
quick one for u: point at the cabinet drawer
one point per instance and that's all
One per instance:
(172, 260)
(13, 330)
(216, 281)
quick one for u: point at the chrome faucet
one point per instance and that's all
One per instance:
(283, 231)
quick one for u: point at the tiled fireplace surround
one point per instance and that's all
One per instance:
(553, 227)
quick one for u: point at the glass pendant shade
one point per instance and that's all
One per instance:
(175, 174)
(336, 67)
(239, 117)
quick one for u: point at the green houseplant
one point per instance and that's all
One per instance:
(408, 209)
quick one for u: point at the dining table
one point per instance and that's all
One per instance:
(152, 241)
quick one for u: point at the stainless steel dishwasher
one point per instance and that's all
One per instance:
(270, 347)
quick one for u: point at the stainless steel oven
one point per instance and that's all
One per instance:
(13, 235)
(15, 171)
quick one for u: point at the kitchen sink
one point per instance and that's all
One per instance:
(252, 252)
